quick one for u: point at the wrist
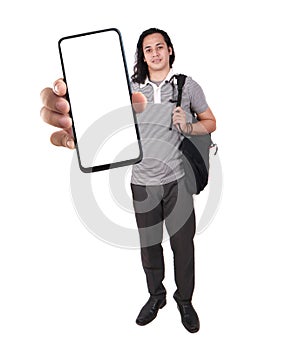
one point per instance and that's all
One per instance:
(187, 129)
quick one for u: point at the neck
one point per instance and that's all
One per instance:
(159, 75)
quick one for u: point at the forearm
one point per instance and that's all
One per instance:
(206, 123)
(203, 127)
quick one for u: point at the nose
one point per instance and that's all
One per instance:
(155, 52)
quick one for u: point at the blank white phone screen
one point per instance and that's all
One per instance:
(95, 72)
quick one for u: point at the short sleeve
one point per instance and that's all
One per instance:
(197, 97)
(134, 86)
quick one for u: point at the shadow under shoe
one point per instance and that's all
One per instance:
(150, 310)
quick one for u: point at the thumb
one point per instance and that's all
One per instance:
(139, 102)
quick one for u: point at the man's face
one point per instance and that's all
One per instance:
(156, 52)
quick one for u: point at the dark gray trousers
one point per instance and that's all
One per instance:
(173, 204)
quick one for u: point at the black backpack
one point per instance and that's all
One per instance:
(196, 152)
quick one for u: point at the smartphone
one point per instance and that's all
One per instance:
(99, 93)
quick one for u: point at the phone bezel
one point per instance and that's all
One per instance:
(109, 165)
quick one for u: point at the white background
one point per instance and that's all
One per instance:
(62, 288)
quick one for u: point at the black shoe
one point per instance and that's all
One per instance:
(189, 316)
(149, 311)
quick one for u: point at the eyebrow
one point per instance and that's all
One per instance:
(147, 47)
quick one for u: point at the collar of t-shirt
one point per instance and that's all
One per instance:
(157, 88)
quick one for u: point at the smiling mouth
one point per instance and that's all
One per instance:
(156, 61)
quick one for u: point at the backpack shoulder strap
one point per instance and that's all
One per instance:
(180, 79)
(180, 83)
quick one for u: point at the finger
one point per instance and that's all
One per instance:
(176, 123)
(56, 119)
(50, 97)
(63, 138)
(178, 119)
(178, 109)
(139, 102)
(60, 87)
(54, 102)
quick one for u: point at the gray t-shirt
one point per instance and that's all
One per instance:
(161, 161)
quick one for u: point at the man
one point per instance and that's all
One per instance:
(157, 183)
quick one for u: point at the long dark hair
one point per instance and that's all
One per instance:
(140, 68)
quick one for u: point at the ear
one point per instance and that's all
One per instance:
(170, 51)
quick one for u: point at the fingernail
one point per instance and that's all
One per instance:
(57, 88)
(70, 144)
